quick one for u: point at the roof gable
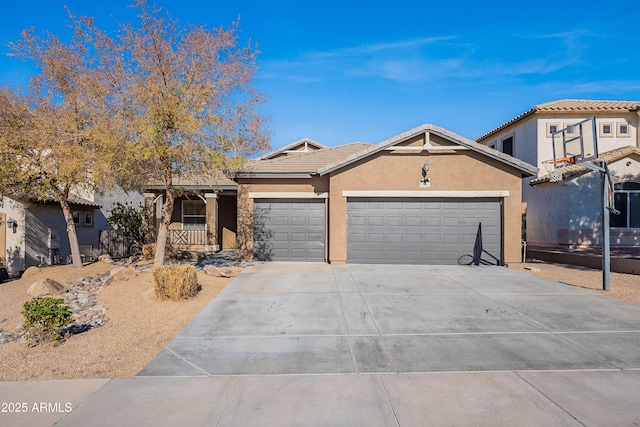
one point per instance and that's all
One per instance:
(428, 129)
(303, 145)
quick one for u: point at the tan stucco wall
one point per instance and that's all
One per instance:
(245, 204)
(462, 170)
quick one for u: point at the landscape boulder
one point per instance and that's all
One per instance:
(122, 274)
(44, 287)
(30, 272)
(212, 270)
(106, 258)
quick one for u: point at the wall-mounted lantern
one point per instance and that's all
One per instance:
(13, 224)
(425, 182)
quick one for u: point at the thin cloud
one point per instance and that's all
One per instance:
(422, 61)
(369, 49)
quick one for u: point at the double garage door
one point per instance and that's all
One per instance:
(421, 231)
(380, 230)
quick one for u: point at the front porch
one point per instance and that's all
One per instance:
(204, 217)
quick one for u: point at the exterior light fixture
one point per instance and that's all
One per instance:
(425, 182)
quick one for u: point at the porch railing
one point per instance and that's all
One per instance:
(188, 237)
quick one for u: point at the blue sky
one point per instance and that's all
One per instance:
(344, 71)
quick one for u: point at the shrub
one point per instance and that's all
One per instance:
(175, 282)
(45, 319)
(149, 250)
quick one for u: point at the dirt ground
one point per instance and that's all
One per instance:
(625, 287)
(140, 326)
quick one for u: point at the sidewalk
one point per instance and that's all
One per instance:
(528, 398)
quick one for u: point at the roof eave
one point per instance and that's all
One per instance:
(274, 175)
(194, 187)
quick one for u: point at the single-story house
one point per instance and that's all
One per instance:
(419, 197)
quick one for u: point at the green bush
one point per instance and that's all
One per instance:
(45, 318)
(175, 282)
(128, 220)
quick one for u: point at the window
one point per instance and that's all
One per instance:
(194, 215)
(570, 129)
(606, 130)
(623, 130)
(83, 218)
(507, 145)
(551, 128)
(626, 198)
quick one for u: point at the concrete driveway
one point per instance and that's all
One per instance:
(366, 345)
(286, 318)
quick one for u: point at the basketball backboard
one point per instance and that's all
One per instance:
(577, 141)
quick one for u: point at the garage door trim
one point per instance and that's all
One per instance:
(438, 194)
(285, 195)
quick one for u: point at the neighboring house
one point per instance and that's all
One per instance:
(528, 136)
(300, 146)
(204, 215)
(35, 232)
(417, 198)
(565, 214)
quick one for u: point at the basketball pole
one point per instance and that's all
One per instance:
(606, 249)
(605, 181)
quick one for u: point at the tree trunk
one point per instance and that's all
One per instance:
(71, 231)
(163, 229)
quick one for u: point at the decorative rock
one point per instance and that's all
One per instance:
(45, 287)
(122, 273)
(31, 271)
(212, 270)
(106, 258)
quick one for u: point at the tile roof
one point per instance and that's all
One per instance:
(305, 163)
(322, 162)
(572, 171)
(213, 180)
(571, 105)
(73, 201)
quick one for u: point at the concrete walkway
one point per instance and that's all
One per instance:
(313, 344)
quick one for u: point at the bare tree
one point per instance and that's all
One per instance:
(183, 97)
(50, 136)
(155, 102)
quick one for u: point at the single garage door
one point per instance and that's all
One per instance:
(421, 231)
(289, 230)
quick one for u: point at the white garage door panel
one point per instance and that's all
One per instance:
(289, 230)
(420, 231)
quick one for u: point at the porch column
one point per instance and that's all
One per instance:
(212, 222)
(149, 219)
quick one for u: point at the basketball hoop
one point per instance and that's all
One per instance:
(554, 167)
